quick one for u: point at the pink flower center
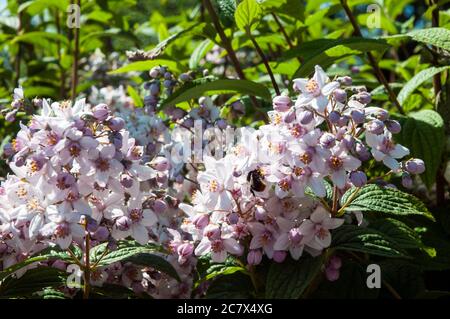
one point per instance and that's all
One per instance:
(102, 164)
(335, 162)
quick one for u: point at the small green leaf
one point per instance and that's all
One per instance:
(199, 87)
(366, 240)
(135, 96)
(418, 80)
(247, 15)
(373, 198)
(418, 129)
(289, 280)
(199, 52)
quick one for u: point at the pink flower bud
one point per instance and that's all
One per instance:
(200, 221)
(332, 274)
(101, 112)
(160, 164)
(415, 166)
(159, 206)
(254, 257)
(279, 256)
(281, 103)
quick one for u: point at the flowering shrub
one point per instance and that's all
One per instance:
(216, 180)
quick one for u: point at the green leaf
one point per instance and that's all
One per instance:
(366, 240)
(418, 129)
(37, 37)
(146, 66)
(235, 286)
(247, 15)
(325, 52)
(32, 281)
(403, 235)
(288, 280)
(438, 37)
(37, 6)
(199, 87)
(404, 276)
(139, 255)
(373, 198)
(199, 52)
(135, 96)
(226, 11)
(417, 81)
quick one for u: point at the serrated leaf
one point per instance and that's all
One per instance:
(32, 281)
(199, 87)
(140, 255)
(418, 129)
(247, 15)
(325, 52)
(438, 37)
(418, 80)
(403, 235)
(289, 280)
(236, 286)
(226, 11)
(373, 198)
(366, 240)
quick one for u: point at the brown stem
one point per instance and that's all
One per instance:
(265, 61)
(378, 73)
(75, 60)
(286, 36)
(87, 266)
(225, 41)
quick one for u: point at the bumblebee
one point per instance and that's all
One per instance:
(256, 181)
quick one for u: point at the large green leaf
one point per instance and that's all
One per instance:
(37, 37)
(366, 240)
(139, 255)
(374, 198)
(35, 7)
(211, 85)
(289, 280)
(247, 15)
(325, 52)
(235, 286)
(403, 235)
(424, 134)
(417, 80)
(32, 281)
(438, 37)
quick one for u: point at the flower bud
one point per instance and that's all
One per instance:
(415, 166)
(200, 221)
(185, 77)
(37, 102)
(382, 115)
(407, 181)
(335, 262)
(358, 178)
(159, 206)
(238, 107)
(233, 218)
(154, 72)
(332, 274)
(327, 140)
(362, 152)
(305, 117)
(343, 121)
(155, 88)
(340, 95)
(178, 114)
(101, 234)
(354, 69)
(11, 116)
(358, 116)
(289, 116)
(126, 181)
(281, 103)
(334, 117)
(345, 80)
(375, 127)
(222, 124)
(101, 112)
(260, 213)
(364, 97)
(294, 235)
(160, 163)
(116, 123)
(254, 257)
(393, 126)
(168, 76)
(279, 256)
(185, 250)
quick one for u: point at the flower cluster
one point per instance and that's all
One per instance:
(269, 194)
(76, 171)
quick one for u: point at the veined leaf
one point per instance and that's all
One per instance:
(403, 235)
(325, 52)
(366, 240)
(199, 52)
(438, 37)
(201, 86)
(289, 280)
(373, 198)
(247, 15)
(423, 133)
(418, 80)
